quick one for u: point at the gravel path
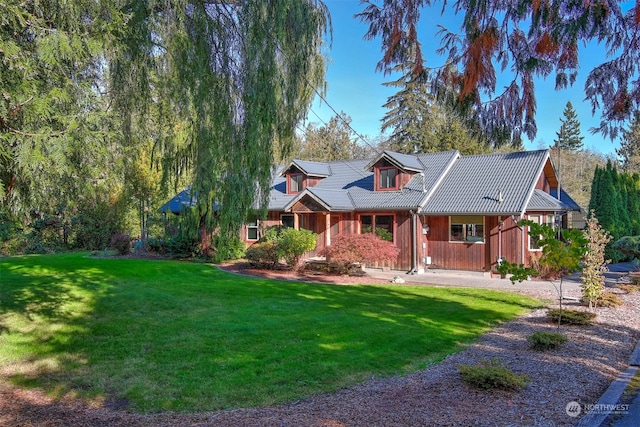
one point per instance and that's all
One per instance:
(579, 371)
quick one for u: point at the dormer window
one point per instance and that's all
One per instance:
(387, 178)
(296, 181)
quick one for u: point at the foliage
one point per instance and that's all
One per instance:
(292, 244)
(544, 340)
(571, 317)
(516, 272)
(421, 123)
(615, 199)
(359, 248)
(577, 171)
(569, 137)
(121, 243)
(263, 254)
(493, 374)
(594, 264)
(628, 245)
(333, 141)
(605, 299)
(183, 246)
(278, 243)
(228, 87)
(629, 288)
(98, 220)
(230, 249)
(157, 246)
(57, 139)
(174, 313)
(560, 256)
(629, 150)
(532, 40)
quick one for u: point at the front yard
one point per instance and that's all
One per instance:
(164, 335)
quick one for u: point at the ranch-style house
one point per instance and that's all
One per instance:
(442, 210)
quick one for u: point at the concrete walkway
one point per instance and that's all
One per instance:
(602, 413)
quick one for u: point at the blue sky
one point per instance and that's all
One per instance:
(353, 85)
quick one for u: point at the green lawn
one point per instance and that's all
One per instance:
(187, 337)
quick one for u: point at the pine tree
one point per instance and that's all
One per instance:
(423, 122)
(411, 115)
(569, 137)
(629, 150)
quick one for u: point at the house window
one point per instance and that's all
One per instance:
(287, 221)
(466, 228)
(534, 240)
(387, 178)
(382, 225)
(296, 182)
(252, 230)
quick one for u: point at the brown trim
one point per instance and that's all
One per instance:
(302, 183)
(378, 170)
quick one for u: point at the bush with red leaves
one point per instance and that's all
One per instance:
(359, 248)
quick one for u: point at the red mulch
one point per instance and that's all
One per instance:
(301, 275)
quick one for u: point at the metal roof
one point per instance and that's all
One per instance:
(446, 183)
(317, 169)
(491, 184)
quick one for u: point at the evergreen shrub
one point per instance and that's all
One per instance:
(606, 299)
(572, 317)
(492, 374)
(263, 254)
(543, 340)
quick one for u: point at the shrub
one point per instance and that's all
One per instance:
(291, 244)
(359, 248)
(121, 243)
(628, 245)
(572, 317)
(606, 299)
(629, 288)
(492, 374)
(231, 249)
(263, 254)
(157, 246)
(543, 340)
(183, 246)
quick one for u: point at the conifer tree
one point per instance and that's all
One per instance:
(421, 121)
(568, 136)
(629, 150)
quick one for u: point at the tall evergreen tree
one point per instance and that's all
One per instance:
(629, 150)
(421, 121)
(58, 142)
(568, 137)
(411, 114)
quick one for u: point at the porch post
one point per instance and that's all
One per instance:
(327, 229)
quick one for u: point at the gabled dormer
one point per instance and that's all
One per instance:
(392, 171)
(301, 174)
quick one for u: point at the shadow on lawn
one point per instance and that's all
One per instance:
(188, 337)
